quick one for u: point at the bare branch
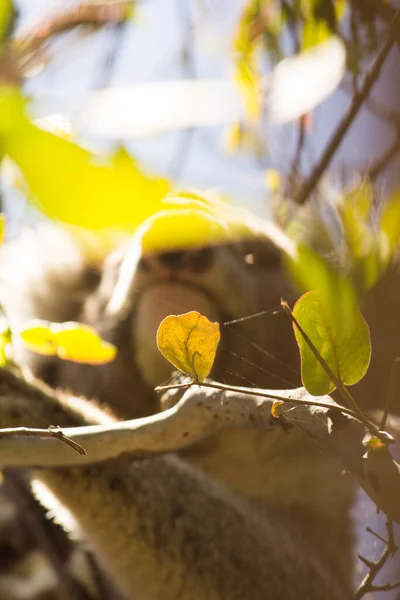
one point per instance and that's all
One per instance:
(367, 586)
(201, 412)
(89, 14)
(53, 432)
(351, 113)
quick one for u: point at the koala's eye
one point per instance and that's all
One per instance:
(261, 254)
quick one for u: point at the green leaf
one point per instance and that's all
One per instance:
(5, 15)
(189, 342)
(341, 337)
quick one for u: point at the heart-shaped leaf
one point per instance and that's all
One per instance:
(189, 342)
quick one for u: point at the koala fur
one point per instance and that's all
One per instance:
(243, 514)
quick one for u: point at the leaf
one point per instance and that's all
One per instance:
(5, 16)
(5, 341)
(71, 184)
(2, 228)
(112, 197)
(341, 337)
(301, 82)
(37, 336)
(69, 341)
(81, 343)
(390, 226)
(185, 103)
(189, 342)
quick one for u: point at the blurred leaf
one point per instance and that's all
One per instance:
(5, 341)
(301, 82)
(5, 16)
(343, 343)
(190, 343)
(74, 186)
(249, 82)
(273, 180)
(38, 337)
(69, 341)
(161, 106)
(81, 343)
(246, 137)
(363, 243)
(2, 228)
(390, 226)
(310, 271)
(315, 32)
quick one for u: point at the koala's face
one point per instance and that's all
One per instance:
(134, 293)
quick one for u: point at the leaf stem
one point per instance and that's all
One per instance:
(254, 392)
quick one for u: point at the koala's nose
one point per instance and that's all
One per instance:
(196, 261)
(173, 260)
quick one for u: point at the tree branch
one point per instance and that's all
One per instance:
(199, 413)
(89, 14)
(351, 113)
(367, 586)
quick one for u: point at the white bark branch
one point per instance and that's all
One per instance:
(200, 412)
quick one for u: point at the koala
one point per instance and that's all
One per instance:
(242, 514)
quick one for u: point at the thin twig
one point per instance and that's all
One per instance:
(367, 586)
(89, 14)
(352, 111)
(185, 140)
(200, 413)
(384, 113)
(254, 392)
(51, 432)
(384, 159)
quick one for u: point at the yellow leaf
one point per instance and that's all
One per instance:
(38, 337)
(74, 185)
(276, 409)
(2, 228)
(189, 342)
(69, 341)
(273, 181)
(81, 343)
